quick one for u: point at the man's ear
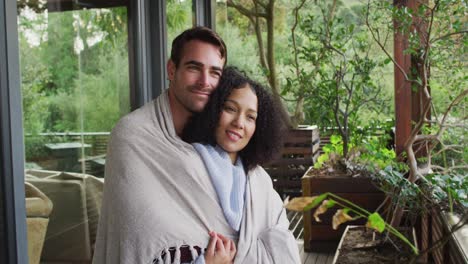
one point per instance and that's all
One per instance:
(171, 68)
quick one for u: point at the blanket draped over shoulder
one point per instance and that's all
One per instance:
(158, 195)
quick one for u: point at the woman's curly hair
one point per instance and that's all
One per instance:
(271, 122)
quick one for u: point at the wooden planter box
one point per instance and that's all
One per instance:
(455, 250)
(336, 259)
(320, 237)
(300, 150)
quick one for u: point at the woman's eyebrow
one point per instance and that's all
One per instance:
(237, 104)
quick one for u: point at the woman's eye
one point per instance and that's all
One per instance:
(229, 109)
(253, 118)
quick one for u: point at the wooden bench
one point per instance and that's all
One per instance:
(300, 151)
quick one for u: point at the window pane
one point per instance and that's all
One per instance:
(75, 87)
(179, 18)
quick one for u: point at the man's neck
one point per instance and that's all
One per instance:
(180, 115)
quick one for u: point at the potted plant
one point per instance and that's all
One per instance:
(350, 177)
(363, 239)
(430, 148)
(333, 72)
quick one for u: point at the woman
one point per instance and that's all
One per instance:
(239, 130)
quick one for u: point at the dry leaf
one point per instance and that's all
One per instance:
(320, 210)
(339, 218)
(299, 203)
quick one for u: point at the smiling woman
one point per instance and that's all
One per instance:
(240, 129)
(237, 121)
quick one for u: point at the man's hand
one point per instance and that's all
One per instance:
(221, 250)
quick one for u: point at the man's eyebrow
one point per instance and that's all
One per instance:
(199, 64)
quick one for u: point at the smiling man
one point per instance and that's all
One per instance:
(159, 204)
(194, 71)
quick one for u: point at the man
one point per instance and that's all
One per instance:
(159, 204)
(197, 59)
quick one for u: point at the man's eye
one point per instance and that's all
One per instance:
(216, 74)
(192, 67)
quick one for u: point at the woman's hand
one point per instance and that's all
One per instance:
(221, 250)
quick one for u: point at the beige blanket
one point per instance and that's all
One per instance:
(158, 194)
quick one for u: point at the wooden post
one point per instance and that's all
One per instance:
(403, 102)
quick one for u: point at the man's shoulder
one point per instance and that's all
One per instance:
(136, 120)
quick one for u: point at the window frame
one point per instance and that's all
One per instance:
(13, 239)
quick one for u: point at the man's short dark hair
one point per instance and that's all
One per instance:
(203, 34)
(271, 123)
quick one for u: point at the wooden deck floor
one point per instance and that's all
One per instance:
(313, 257)
(296, 226)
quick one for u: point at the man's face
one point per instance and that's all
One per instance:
(196, 76)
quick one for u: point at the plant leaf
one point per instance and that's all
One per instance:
(340, 217)
(320, 210)
(299, 203)
(330, 203)
(316, 202)
(376, 222)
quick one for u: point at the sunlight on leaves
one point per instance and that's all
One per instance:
(376, 222)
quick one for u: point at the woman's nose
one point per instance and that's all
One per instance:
(239, 122)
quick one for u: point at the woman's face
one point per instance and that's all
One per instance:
(237, 121)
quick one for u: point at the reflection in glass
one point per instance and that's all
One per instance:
(75, 87)
(75, 84)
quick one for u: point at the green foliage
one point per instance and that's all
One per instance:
(394, 183)
(179, 18)
(35, 147)
(336, 72)
(335, 146)
(369, 151)
(59, 53)
(242, 51)
(376, 222)
(36, 150)
(104, 96)
(453, 187)
(34, 79)
(374, 154)
(68, 87)
(333, 149)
